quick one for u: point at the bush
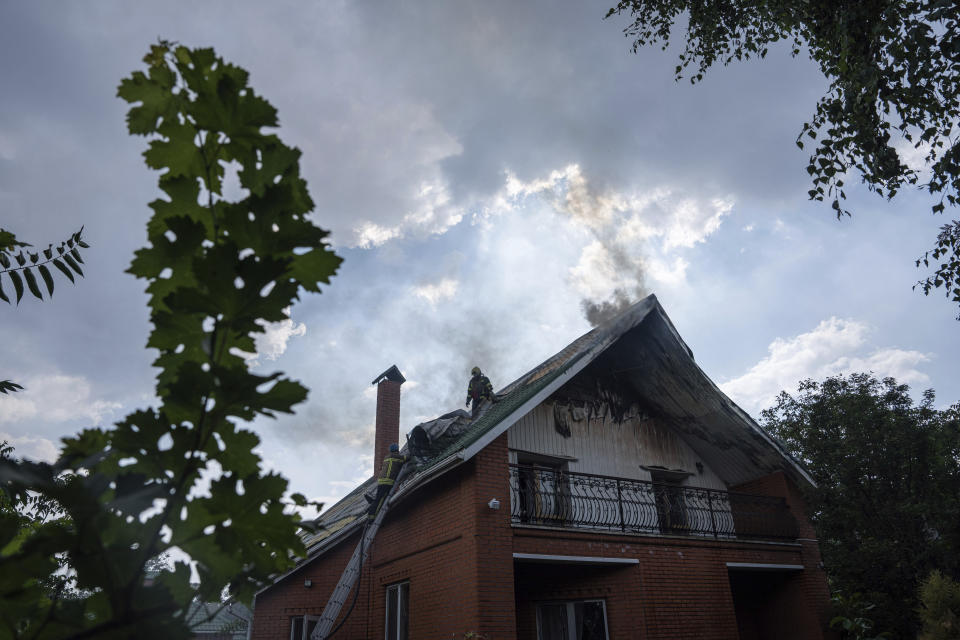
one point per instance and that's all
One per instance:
(939, 608)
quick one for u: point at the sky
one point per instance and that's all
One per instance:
(492, 174)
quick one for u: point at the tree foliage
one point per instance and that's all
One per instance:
(894, 72)
(8, 386)
(14, 259)
(939, 608)
(887, 502)
(32, 513)
(21, 266)
(184, 474)
(852, 618)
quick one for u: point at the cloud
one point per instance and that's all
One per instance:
(914, 155)
(35, 448)
(433, 214)
(272, 343)
(437, 291)
(56, 398)
(835, 346)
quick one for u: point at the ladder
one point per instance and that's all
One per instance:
(352, 573)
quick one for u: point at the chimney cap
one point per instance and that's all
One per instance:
(393, 374)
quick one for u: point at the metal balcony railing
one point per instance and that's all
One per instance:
(552, 497)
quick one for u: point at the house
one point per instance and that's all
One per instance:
(612, 492)
(217, 621)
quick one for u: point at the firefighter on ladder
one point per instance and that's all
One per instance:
(479, 391)
(388, 476)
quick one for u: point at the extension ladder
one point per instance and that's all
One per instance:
(352, 573)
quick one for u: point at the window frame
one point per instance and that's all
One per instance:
(570, 608)
(536, 504)
(672, 512)
(402, 589)
(305, 629)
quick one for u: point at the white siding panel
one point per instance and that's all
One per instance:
(606, 447)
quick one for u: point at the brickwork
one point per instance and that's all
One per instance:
(289, 597)
(457, 555)
(679, 589)
(814, 585)
(426, 540)
(388, 420)
(492, 538)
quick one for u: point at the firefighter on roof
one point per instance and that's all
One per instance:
(388, 476)
(479, 391)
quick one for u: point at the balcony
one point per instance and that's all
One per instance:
(551, 497)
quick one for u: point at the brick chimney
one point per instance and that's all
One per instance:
(388, 413)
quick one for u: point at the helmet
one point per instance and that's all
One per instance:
(475, 371)
(394, 448)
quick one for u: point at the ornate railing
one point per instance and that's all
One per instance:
(548, 496)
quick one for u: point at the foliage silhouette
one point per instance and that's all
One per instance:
(13, 265)
(887, 502)
(894, 72)
(184, 474)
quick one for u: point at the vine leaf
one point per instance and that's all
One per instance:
(199, 116)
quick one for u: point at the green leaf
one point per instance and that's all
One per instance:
(7, 239)
(8, 386)
(177, 153)
(200, 115)
(3, 295)
(315, 266)
(283, 395)
(47, 278)
(32, 283)
(73, 265)
(17, 284)
(63, 269)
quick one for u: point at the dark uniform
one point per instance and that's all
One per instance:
(478, 390)
(388, 476)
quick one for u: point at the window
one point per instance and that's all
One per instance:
(302, 626)
(671, 508)
(576, 620)
(398, 611)
(543, 492)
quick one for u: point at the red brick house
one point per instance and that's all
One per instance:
(612, 492)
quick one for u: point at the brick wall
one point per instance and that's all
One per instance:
(679, 589)
(492, 543)
(814, 585)
(274, 607)
(443, 539)
(457, 555)
(387, 420)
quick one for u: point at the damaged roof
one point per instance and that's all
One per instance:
(659, 370)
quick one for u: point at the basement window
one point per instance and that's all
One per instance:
(302, 626)
(572, 620)
(398, 611)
